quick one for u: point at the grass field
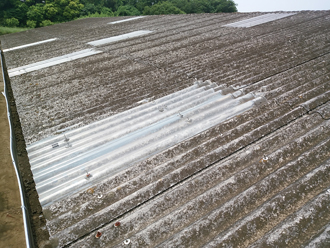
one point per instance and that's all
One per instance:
(8, 30)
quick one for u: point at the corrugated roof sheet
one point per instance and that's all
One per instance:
(51, 62)
(126, 20)
(29, 45)
(119, 37)
(258, 179)
(254, 21)
(84, 156)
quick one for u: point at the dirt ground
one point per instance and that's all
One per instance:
(11, 220)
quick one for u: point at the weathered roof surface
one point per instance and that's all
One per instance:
(260, 178)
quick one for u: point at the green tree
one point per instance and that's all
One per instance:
(225, 6)
(50, 11)
(127, 10)
(205, 6)
(36, 13)
(88, 9)
(21, 13)
(113, 4)
(106, 11)
(72, 10)
(12, 22)
(31, 24)
(162, 8)
(45, 23)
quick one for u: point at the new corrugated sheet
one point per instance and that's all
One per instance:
(29, 45)
(127, 20)
(51, 62)
(119, 37)
(258, 20)
(60, 165)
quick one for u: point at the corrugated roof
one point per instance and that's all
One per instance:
(126, 20)
(51, 62)
(29, 45)
(119, 37)
(254, 21)
(84, 156)
(259, 178)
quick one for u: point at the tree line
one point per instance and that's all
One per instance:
(37, 13)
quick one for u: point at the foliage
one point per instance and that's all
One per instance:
(162, 8)
(31, 24)
(8, 30)
(202, 6)
(127, 10)
(106, 11)
(37, 13)
(72, 9)
(12, 22)
(225, 6)
(45, 23)
(97, 15)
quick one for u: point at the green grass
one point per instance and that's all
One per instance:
(8, 30)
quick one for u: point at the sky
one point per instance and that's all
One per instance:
(278, 5)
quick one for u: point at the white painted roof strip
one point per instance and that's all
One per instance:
(29, 45)
(119, 37)
(106, 147)
(258, 20)
(51, 62)
(127, 20)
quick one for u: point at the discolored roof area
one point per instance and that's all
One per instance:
(203, 130)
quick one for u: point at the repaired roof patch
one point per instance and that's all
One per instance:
(119, 37)
(258, 20)
(126, 20)
(84, 156)
(29, 45)
(50, 62)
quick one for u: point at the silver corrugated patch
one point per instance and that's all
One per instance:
(119, 37)
(258, 20)
(127, 20)
(50, 62)
(87, 155)
(29, 45)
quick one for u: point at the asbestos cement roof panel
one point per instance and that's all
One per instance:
(259, 178)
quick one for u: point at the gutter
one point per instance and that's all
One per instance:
(27, 225)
